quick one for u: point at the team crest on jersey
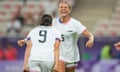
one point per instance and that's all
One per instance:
(70, 31)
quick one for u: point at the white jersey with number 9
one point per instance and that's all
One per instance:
(43, 39)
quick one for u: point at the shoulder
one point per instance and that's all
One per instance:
(55, 19)
(56, 30)
(75, 21)
(77, 24)
(35, 28)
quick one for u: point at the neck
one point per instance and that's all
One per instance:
(65, 19)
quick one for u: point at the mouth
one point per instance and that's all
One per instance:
(63, 11)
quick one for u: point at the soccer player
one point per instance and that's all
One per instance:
(117, 45)
(71, 30)
(42, 51)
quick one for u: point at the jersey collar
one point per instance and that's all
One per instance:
(61, 21)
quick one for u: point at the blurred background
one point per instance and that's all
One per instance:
(101, 17)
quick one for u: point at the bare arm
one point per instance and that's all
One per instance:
(21, 42)
(27, 54)
(117, 45)
(56, 53)
(90, 37)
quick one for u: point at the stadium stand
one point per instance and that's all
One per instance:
(94, 14)
(9, 8)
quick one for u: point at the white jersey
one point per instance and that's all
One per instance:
(43, 39)
(70, 33)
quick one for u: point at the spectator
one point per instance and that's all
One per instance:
(54, 8)
(106, 52)
(10, 52)
(1, 53)
(29, 20)
(25, 2)
(1, 33)
(13, 26)
(19, 16)
(106, 63)
(51, 7)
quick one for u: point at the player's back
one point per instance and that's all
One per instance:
(43, 39)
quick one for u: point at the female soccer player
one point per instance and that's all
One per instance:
(42, 50)
(71, 30)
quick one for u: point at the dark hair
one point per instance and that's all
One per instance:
(46, 20)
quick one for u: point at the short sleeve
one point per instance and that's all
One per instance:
(29, 35)
(80, 28)
(54, 22)
(58, 35)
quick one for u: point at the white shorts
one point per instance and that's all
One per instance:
(73, 64)
(40, 66)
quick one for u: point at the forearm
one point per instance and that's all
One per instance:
(88, 35)
(26, 57)
(56, 54)
(91, 37)
(89, 43)
(27, 53)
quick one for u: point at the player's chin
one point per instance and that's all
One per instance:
(55, 71)
(26, 71)
(63, 14)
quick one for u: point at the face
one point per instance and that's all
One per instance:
(64, 9)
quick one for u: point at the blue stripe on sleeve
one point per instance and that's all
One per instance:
(57, 38)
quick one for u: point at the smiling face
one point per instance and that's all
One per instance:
(64, 9)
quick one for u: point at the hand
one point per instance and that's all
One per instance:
(55, 68)
(117, 45)
(89, 43)
(26, 69)
(20, 42)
